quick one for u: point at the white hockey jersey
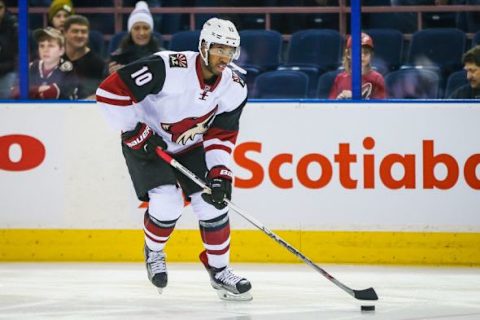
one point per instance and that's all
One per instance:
(167, 92)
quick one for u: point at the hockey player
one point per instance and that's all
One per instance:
(373, 84)
(189, 104)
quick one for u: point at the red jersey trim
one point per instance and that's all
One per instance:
(218, 147)
(221, 134)
(115, 85)
(198, 68)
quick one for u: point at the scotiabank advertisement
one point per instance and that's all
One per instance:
(311, 166)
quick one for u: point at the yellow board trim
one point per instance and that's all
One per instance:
(438, 248)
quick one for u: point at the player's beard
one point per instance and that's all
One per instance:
(212, 69)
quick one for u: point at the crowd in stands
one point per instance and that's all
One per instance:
(313, 63)
(8, 49)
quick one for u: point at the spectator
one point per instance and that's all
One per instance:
(50, 76)
(8, 50)
(471, 61)
(373, 84)
(87, 65)
(58, 12)
(139, 42)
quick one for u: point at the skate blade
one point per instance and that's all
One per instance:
(228, 296)
(160, 290)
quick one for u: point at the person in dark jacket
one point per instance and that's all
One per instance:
(471, 61)
(139, 42)
(87, 65)
(8, 50)
(51, 77)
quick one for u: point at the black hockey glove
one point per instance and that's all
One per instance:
(143, 141)
(219, 179)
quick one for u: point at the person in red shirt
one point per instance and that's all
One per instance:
(373, 84)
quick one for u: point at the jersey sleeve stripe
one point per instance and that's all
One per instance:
(118, 103)
(114, 91)
(106, 94)
(210, 142)
(218, 147)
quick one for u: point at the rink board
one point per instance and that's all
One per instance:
(437, 248)
(356, 183)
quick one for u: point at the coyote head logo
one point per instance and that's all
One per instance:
(186, 129)
(367, 90)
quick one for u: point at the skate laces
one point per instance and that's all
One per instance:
(228, 277)
(156, 261)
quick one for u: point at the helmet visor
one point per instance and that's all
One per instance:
(223, 52)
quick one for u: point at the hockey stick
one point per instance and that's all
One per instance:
(366, 294)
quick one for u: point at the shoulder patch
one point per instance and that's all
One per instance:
(66, 66)
(236, 78)
(177, 60)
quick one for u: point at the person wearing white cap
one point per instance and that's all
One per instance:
(141, 13)
(139, 42)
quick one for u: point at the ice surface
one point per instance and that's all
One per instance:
(108, 291)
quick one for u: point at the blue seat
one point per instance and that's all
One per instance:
(476, 39)
(314, 52)
(388, 45)
(185, 41)
(469, 21)
(117, 38)
(115, 41)
(441, 48)
(455, 80)
(249, 78)
(405, 22)
(96, 42)
(317, 48)
(261, 49)
(281, 84)
(412, 83)
(325, 82)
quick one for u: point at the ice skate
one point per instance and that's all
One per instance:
(156, 268)
(228, 285)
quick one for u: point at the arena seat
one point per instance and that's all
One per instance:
(325, 82)
(455, 80)
(314, 52)
(405, 22)
(388, 50)
(281, 84)
(115, 41)
(476, 39)
(185, 41)
(261, 49)
(441, 48)
(412, 83)
(96, 42)
(249, 78)
(469, 21)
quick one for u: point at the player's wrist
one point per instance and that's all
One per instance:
(220, 172)
(135, 139)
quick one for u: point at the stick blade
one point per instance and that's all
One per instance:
(366, 294)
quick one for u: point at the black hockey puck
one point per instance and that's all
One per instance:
(367, 308)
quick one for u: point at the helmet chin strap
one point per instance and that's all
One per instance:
(205, 58)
